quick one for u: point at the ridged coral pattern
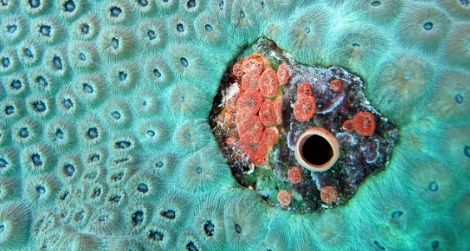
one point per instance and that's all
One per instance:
(105, 143)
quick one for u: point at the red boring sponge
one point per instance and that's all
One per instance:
(250, 129)
(249, 101)
(284, 197)
(270, 135)
(256, 150)
(268, 83)
(267, 113)
(329, 194)
(304, 108)
(250, 82)
(283, 74)
(254, 64)
(261, 157)
(364, 123)
(295, 175)
(304, 89)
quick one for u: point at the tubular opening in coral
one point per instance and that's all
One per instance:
(285, 126)
(317, 149)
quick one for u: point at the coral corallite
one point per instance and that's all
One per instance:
(173, 125)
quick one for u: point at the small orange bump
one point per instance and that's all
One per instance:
(348, 125)
(250, 82)
(336, 85)
(267, 115)
(270, 135)
(268, 83)
(364, 123)
(237, 69)
(256, 150)
(329, 194)
(304, 89)
(284, 197)
(254, 64)
(295, 175)
(283, 74)
(304, 108)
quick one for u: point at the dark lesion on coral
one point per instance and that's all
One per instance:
(237, 167)
(366, 146)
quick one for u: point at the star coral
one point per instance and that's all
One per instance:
(105, 108)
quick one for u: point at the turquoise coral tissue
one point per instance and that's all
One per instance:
(106, 140)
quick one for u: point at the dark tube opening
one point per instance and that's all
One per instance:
(317, 150)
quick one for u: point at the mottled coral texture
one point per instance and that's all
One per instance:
(105, 144)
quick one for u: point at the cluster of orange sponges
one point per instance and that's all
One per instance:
(328, 194)
(305, 105)
(280, 125)
(258, 107)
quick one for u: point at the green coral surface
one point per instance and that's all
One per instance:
(105, 142)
